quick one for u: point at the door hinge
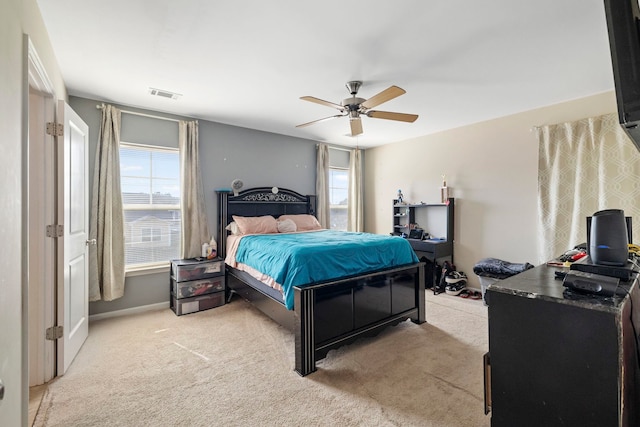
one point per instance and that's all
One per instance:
(55, 230)
(54, 333)
(55, 129)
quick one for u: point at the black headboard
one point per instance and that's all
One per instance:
(258, 202)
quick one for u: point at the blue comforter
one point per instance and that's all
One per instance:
(299, 259)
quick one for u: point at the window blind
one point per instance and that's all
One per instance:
(150, 181)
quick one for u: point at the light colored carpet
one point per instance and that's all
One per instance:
(233, 366)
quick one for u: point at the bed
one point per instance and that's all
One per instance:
(323, 314)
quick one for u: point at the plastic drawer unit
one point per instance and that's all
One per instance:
(196, 285)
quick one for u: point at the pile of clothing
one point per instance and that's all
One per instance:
(499, 269)
(491, 270)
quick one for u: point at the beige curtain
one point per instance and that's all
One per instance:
(195, 229)
(355, 217)
(322, 185)
(584, 167)
(106, 257)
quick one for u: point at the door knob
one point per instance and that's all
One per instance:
(1, 390)
(91, 242)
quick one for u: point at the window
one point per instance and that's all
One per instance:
(338, 198)
(150, 181)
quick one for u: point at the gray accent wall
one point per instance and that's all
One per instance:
(226, 153)
(339, 158)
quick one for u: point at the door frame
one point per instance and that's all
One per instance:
(41, 259)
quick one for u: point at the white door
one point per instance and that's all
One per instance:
(73, 266)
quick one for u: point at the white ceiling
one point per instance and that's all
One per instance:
(247, 62)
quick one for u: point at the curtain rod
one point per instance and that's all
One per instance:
(101, 106)
(331, 147)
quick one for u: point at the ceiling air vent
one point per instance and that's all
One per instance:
(164, 93)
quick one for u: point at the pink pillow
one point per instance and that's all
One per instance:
(303, 222)
(256, 224)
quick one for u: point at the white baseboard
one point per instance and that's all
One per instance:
(127, 311)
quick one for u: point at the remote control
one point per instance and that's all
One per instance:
(591, 283)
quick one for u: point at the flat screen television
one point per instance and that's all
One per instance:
(623, 24)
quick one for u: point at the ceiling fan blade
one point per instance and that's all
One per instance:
(320, 120)
(388, 115)
(384, 96)
(322, 102)
(356, 126)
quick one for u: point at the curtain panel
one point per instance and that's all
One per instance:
(195, 229)
(106, 257)
(322, 185)
(583, 167)
(355, 220)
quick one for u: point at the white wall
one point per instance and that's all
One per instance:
(492, 169)
(17, 17)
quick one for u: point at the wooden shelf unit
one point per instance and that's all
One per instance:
(432, 251)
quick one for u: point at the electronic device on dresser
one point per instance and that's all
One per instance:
(624, 41)
(608, 234)
(608, 238)
(593, 283)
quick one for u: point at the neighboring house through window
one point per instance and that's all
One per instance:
(338, 198)
(150, 181)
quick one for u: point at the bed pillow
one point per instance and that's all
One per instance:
(256, 224)
(286, 226)
(233, 228)
(303, 222)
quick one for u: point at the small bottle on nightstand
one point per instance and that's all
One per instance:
(205, 250)
(213, 249)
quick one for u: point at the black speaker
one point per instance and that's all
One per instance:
(608, 239)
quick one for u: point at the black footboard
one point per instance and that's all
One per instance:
(336, 313)
(330, 314)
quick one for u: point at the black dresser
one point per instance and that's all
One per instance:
(560, 358)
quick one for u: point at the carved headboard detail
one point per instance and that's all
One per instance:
(258, 202)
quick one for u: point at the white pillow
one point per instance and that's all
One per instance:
(233, 228)
(287, 226)
(303, 222)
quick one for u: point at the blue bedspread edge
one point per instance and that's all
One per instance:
(302, 259)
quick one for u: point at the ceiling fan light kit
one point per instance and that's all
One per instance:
(354, 107)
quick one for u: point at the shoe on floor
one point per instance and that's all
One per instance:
(476, 295)
(455, 277)
(447, 270)
(456, 288)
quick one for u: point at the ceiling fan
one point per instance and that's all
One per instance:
(354, 107)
